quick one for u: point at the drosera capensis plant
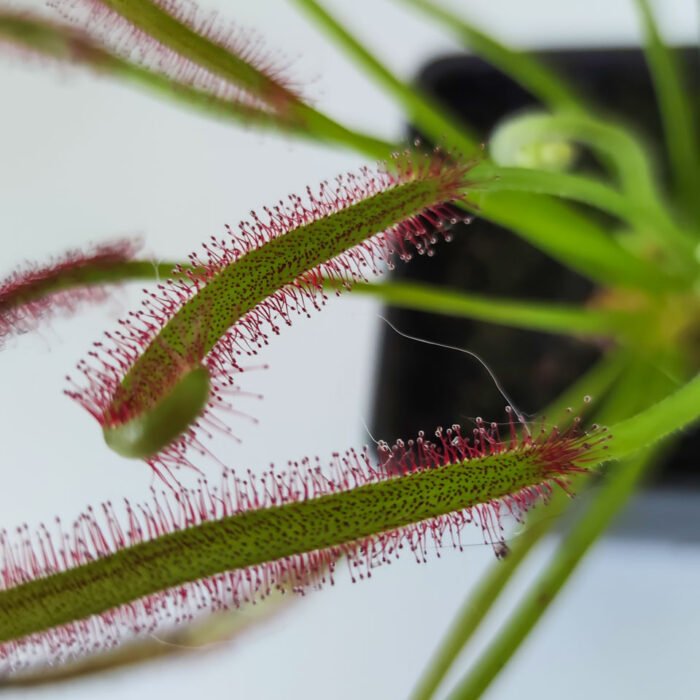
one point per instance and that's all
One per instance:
(219, 546)
(192, 49)
(34, 291)
(216, 546)
(154, 382)
(151, 383)
(38, 39)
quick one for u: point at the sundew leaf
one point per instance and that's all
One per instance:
(153, 384)
(34, 292)
(210, 633)
(585, 246)
(185, 44)
(202, 51)
(217, 547)
(37, 37)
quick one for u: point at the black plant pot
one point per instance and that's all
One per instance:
(419, 387)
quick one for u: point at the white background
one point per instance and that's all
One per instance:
(82, 160)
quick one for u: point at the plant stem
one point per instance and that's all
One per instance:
(573, 239)
(640, 383)
(522, 67)
(420, 109)
(608, 502)
(553, 318)
(676, 112)
(115, 273)
(644, 217)
(537, 78)
(89, 275)
(669, 415)
(474, 609)
(481, 600)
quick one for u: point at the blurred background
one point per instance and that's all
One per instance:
(85, 160)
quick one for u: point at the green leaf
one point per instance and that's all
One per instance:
(238, 69)
(679, 121)
(615, 145)
(65, 44)
(583, 189)
(668, 416)
(618, 148)
(522, 67)
(571, 238)
(441, 127)
(553, 318)
(244, 287)
(288, 516)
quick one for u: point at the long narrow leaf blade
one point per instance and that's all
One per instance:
(680, 124)
(522, 67)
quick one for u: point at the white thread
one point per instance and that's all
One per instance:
(368, 431)
(518, 414)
